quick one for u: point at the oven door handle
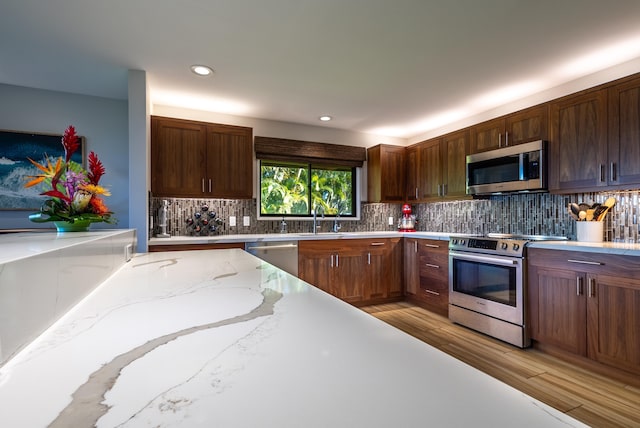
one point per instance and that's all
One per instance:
(478, 258)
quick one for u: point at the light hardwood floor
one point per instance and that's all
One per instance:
(594, 399)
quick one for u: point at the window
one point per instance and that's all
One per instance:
(294, 189)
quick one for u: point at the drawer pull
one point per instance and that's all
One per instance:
(432, 265)
(579, 286)
(431, 246)
(585, 262)
(435, 293)
(377, 244)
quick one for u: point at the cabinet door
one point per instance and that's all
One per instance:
(614, 321)
(178, 158)
(527, 125)
(411, 266)
(430, 170)
(624, 134)
(229, 162)
(347, 275)
(578, 142)
(561, 309)
(386, 173)
(455, 148)
(487, 136)
(412, 174)
(315, 266)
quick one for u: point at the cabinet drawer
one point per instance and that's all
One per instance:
(435, 266)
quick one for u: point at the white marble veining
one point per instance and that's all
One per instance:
(218, 338)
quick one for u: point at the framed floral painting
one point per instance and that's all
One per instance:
(16, 148)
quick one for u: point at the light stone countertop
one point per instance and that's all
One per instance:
(618, 248)
(20, 245)
(177, 240)
(218, 338)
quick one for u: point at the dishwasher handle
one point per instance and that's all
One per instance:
(272, 247)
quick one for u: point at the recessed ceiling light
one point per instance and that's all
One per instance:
(201, 70)
(325, 118)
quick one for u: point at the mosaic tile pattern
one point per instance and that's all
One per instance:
(529, 214)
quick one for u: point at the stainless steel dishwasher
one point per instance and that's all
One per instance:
(282, 254)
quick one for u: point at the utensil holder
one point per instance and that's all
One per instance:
(590, 231)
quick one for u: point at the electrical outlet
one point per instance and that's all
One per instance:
(390, 221)
(246, 220)
(232, 221)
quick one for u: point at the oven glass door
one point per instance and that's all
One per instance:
(487, 284)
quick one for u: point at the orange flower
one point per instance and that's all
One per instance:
(50, 171)
(98, 205)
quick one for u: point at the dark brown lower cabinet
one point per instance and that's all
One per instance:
(358, 271)
(426, 273)
(587, 304)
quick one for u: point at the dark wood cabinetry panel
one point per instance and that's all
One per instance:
(178, 157)
(521, 127)
(427, 273)
(578, 146)
(624, 134)
(436, 168)
(487, 135)
(358, 271)
(198, 159)
(386, 174)
(587, 304)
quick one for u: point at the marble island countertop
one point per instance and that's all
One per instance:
(218, 338)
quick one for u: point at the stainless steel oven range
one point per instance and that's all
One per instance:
(487, 284)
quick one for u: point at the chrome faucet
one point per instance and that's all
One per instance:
(336, 226)
(316, 226)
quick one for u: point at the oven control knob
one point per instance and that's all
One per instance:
(516, 247)
(462, 242)
(454, 241)
(505, 245)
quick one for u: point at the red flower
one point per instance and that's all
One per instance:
(96, 169)
(98, 205)
(70, 142)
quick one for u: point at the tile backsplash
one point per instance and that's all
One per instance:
(530, 214)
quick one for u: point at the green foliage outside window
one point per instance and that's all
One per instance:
(297, 189)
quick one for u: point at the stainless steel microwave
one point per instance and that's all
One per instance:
(518, 168)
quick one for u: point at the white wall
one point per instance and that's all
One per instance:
(102, 121)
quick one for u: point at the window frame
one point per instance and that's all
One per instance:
(356, 193)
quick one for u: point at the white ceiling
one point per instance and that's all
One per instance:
(392, 67)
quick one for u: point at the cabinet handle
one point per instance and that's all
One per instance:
(415, 246)
(377, 244)
(432, 265)
(435, 293)
(585, 262)
(579, 286)
(439, 190)
(506, 138)
(431, 246)
(331, 260)
(591, 289)
(613, 172)
(602, 173)
(209, 185)
(369, 258)
(337, 260)
(203, 185)
(444, 190)
(416, 193)
(500, 139)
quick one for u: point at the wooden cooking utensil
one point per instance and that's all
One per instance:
(608, 204)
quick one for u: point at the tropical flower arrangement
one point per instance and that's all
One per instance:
(74, 193)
